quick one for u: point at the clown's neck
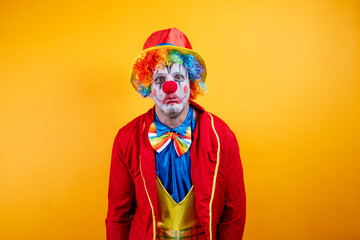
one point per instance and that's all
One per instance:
(170, 121)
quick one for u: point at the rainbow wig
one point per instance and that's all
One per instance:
(155, 59)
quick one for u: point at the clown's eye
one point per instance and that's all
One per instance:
(159, 79)
(179, 77)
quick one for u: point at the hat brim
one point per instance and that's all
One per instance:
(183, 51)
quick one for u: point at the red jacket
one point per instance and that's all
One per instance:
(216, 172)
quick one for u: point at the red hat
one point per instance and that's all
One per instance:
(171, 38)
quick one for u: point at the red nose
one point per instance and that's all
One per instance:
(169, 87)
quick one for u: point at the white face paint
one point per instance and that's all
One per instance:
(171, 104)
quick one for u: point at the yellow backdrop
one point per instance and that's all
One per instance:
(284, 75)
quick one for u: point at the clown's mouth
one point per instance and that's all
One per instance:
(172, 99)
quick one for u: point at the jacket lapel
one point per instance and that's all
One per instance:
(203, 162)
(147, 160)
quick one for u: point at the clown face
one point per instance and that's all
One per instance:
(170, 89)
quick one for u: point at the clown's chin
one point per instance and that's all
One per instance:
(172, 110)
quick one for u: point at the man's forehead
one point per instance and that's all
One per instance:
(176, 67)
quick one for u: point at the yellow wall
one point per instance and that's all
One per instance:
(283, 74)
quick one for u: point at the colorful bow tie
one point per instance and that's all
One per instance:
(181, 144)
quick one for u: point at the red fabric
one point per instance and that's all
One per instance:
(171, 35)
(129, 212)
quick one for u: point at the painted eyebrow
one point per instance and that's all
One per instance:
(157, 74)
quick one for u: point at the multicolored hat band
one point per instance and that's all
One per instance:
(166, 47)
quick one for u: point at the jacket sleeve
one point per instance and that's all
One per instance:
(232, 222)
(120, 195)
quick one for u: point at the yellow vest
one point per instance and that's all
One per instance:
(176, 216)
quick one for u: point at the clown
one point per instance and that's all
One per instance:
(170, 90)
(175, 171)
